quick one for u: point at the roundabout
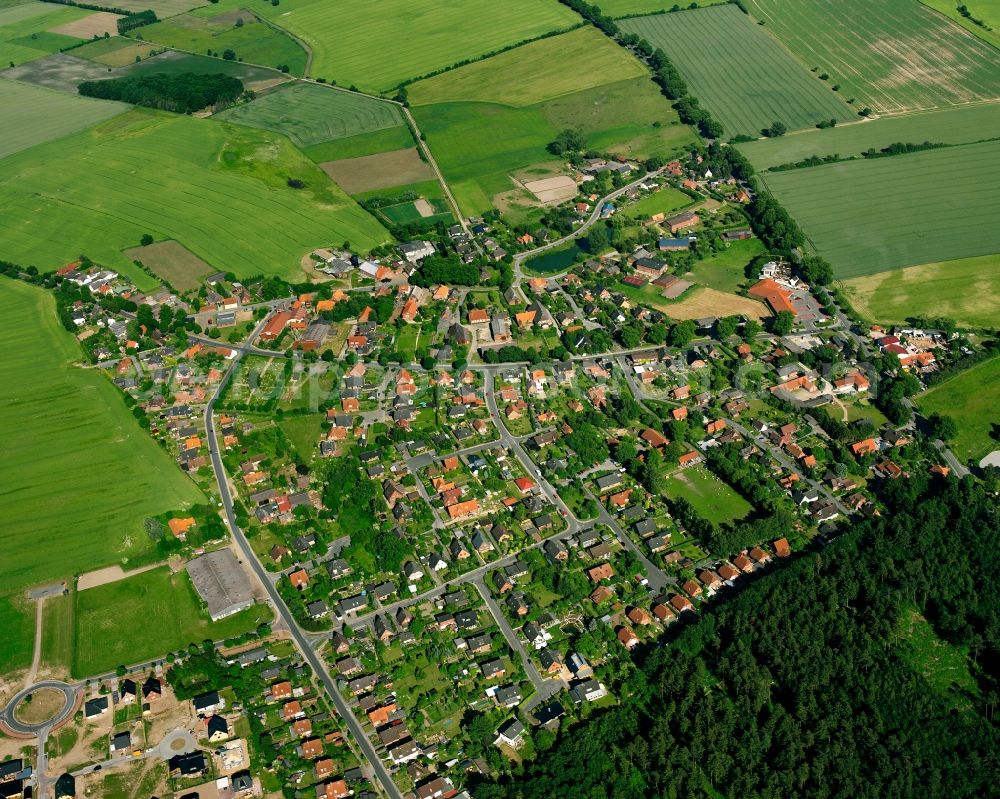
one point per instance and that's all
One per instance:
(39, 707)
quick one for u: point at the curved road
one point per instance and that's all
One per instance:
(69, 694)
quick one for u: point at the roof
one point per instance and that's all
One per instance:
(221, 583)
(773, 294)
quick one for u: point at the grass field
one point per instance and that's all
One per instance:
(385, 140)
(309, 114)
(892, 55)
(966, 290)
(943, 126)
(220, 190)
(712, 498)
(114, 623)
(24, 31)
(17, 619)
(698, 302)
(872, 216)
(662, 201)
(117, 51)
(171, 261)
(252, 40)
(163, 8)
(378, 45)
(33, 114)
(79, 475)
(986, 10)
(723, 271)
(304, 432)
(970, 398)
(57, 632)
(621, 8)
(737, 72)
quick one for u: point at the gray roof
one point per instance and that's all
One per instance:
(221, 583)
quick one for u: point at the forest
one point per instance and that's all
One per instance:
(810, 681)
(183, 93)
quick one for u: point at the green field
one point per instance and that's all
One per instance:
(663, 201)
(970, 398)
(737, 72)
(385, 140)
(872, 216)
(621, 8)
(220, 190)
(892, 55)
(986, 10)
(723, 271)
(943, 126)
(24, 30)
(79, 476)
(33, 114)
(17, 619)
(309, 114)
(144, 616)
(966, 290)
(172, 63)
(252, 40)
(711, 498)
(117, 51)
(378, 45)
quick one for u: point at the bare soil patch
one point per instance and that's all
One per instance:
(173, 262)
(381, 171)
(423, 207)
(43, 705)
(109, 574)
(96, 24)
(708, 302)
(552, 191)
(674, 290)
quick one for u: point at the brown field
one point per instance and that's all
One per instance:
(96, 24)
(554, 190)
(116, 52)
(44, 704)
(173, 262)
(57, 71)
(702, 302)
(381, 171)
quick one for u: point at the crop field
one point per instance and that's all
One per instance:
(24, 31)
(98, 24)
(172, 262)
(380, 171)
(309, 114)
(33, 115)
(253, 77)
(966, 290)
(219, 190)
(385, 140)
(112, 621)
(970, 398)
(622, 8)
(117, 51)
(986, 10)
(737, 72)
(963, 125)
(163, 8)
(711, 497)
(378, 45)
(892, 55)
(78, 476)
(872, 216)
(252, 40)
(17, 619)
(59, 71)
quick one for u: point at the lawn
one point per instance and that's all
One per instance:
(943, 126)
(378, 45)
(723, 271)
(79, 476)
(737, 72)
(966, 290)
(970, 398)
(219, 190)
(113, 621)
(658, 202)
(892, 55)
(309, 114)
(873, 216)
(24, 30)
(251, 39)
(33, 114)
(711, 498)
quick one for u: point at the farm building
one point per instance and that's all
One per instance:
(221, 583)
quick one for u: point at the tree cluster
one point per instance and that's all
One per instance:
(183, 93)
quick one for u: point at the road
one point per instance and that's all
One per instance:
(300, 639)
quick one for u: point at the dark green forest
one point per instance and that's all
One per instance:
(810, 681)
(183, 93)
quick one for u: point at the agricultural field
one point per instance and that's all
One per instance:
(625, 114)
(252, 40)
(112, 621)
(872, 216)
(310, 114)
(181, 268)
(79, 475)
(734, 68)
(25, 31)
(33, 115)
(255, 78)
(163, 8)
(208, 185)
(59, 71)
(701, 301)
(96, 25)
(376, 46)
(117, 51)
(942, 126)
(891, 55)
(711, 497)
(631, 8)
(380, 171)
(17, 619)
(385, 140)
(986, 10)
(966, 290)
(970, 398)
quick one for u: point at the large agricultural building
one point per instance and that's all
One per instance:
(221, 583)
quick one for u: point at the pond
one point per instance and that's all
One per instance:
(556, 260)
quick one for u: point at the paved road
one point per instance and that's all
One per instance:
(301, 640)
(69, 694)
(950, 458)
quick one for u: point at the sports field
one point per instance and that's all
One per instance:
(24, 31)
(144, 616)
(986, 10)
(78, 475)
(253, 41)
(377, 45)
(872, 216)
(966, 290)
(737, 72)
(711, 498)
(33, 115)
(309, 114)
(220, 190)
(970, 398)
(892, 55)
(942, 126)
